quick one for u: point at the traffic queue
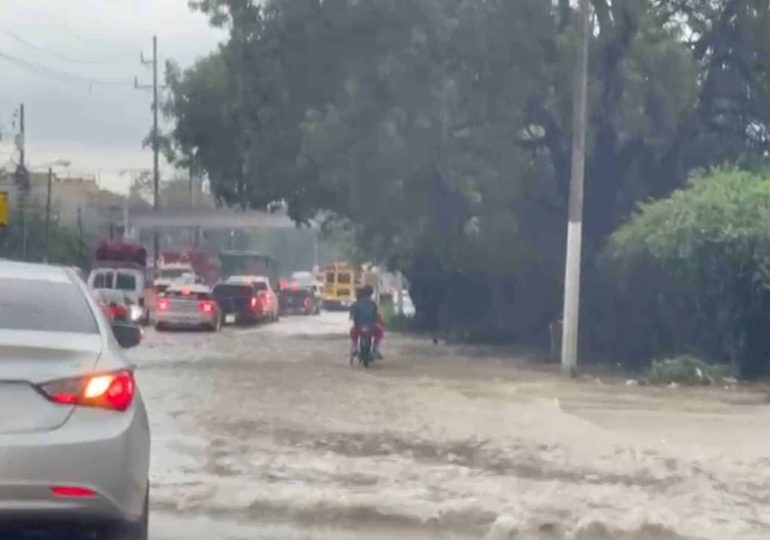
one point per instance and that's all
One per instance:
(184, 295)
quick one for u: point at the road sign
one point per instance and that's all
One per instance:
(3, 208)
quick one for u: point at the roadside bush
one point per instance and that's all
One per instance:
(693, 274)
(689, 371)
(395, 322)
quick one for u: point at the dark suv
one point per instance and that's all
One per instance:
(239, 302)
(296, 299)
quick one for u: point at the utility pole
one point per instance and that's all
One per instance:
(22, 150)
(155, 140)
(22, 181)
(569, 344)
(81, 241)
(48, 214)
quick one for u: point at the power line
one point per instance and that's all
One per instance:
(59, 75)
(53, 53)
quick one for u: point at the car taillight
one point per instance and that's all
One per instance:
(119, 312)
(73, 492)
(107, 391)
(254, 302)
(163, 305)
(206, 306)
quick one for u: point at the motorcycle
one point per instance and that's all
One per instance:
(365, 352)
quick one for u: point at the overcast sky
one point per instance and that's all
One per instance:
(98, 127)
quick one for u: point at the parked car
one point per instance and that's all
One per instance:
(245, 302)
(298, 299)
(187, 306)
(74, 432)
(267, 299)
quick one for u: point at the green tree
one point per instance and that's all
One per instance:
(438, 131)
(66, 246)
(694, 272)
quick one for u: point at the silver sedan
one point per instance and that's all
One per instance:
(187, 306)
(74, 433)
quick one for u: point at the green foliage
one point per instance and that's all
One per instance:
(395, 322)
(697, 265)
(437, 133)
(66, 247)
(689, 371)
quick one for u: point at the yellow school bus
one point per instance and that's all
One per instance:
(340, 283)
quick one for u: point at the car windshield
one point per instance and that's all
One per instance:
(45, 307)
(173, 273)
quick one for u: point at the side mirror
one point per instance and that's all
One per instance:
(127, 335)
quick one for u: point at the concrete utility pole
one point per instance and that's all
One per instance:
(155, 140)
(48, 213)
(569, 348)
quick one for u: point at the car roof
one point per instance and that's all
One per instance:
(34, 272)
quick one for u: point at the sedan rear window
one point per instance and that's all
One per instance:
(44, 306)
(233, 290)
(188, 295)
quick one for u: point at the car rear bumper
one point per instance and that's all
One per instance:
(185, 320)
(245, 316)
(103, 451)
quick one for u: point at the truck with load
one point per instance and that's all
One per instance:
(122, 266)
(174, 264)
(250, 263)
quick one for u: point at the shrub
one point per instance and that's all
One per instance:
(688, 370)
(693, 273)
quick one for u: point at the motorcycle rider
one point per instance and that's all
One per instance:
(364, 312)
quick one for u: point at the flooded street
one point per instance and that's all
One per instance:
(268, 433)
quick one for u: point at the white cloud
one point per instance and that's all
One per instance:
(100, 127)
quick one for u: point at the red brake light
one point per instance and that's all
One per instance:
(163, 304)
(254, 301)
(206, 306)
(113, 391)
(72, 491)
(119, 312)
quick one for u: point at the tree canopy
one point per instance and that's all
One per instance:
(439, 131)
